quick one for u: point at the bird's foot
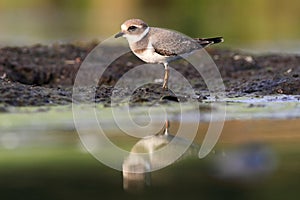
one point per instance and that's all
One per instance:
(165, 86)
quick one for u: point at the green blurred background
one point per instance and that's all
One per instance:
(258, 24)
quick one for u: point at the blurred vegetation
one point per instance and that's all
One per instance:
(244, 22)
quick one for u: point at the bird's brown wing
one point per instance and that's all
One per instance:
(171, 43)
(164, 52)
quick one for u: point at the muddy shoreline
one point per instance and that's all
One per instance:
(44, 75)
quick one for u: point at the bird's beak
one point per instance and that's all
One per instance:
(119, 35)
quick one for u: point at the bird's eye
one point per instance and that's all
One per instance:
(131, 28)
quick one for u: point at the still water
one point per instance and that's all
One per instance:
(255, 157)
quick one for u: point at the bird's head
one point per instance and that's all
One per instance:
(133, 30)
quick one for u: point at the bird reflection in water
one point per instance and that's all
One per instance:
(137, 169)
(249, 162)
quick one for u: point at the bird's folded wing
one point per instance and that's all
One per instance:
(171, 43)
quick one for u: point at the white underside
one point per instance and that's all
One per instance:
(150, 56)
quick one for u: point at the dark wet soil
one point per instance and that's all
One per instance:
(44, 75)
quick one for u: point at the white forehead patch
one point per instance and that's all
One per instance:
(123, 27)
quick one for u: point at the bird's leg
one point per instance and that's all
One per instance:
(166, 127)
(166, 77)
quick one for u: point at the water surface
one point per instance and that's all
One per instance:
(256, 155)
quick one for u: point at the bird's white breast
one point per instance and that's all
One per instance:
(149, 55)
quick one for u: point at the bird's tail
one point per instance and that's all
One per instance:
(208, 41)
